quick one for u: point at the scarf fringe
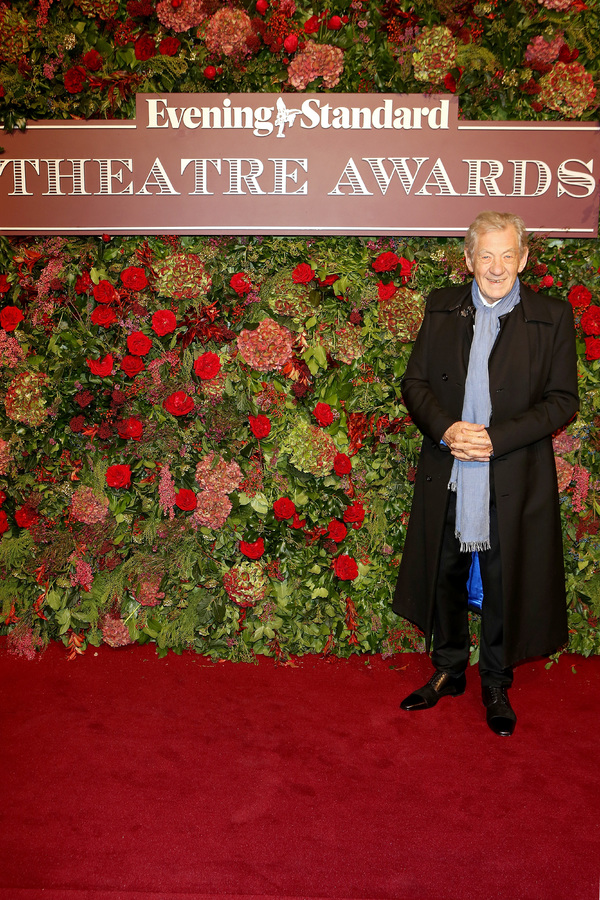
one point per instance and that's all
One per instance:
(472, 546)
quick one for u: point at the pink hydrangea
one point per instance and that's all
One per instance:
(435, 53)
(24, 401)
(246, 584)
(267, 347)
(565, 443)
(11, 351)
(220, 477)
(147, 591)
(556, 4)
(82, 575)
(542, 51)
(310, 448)
(229, 33)
(6, 457)
(181, 17)
(87, 507)
(212, 510)
(564, 473)
(568, 89)
(114, 631)
(316, 61)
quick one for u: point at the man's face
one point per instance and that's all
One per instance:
(496, 262)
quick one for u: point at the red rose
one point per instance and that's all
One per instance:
(590, 320)
(92, 60)
(104, 316)
(4, 284)
(210, 72)
(406, 267)
(385, 262)
(311, 25)
(284, 508)
(75, 78)
(342, 464)
(207, 366)
(260, 426)
(164, 322)
(186, 499)
(104, 292)
(132, 365)
(118, 476)
(335, 23)
(302, 274)
(10, 317)
(134, 278)
(253, 550)
(26, 516)
(297, 522)
(138, 343)
(145, 48)
(178, 404)
(240, 283)
(102, 367)
(337, 531)
(2, 497)
(130, 428)
(450, 83)
(345, 567)
(354, 515)
(77, 424)
(579, 296)
(4, 526)
(262, 6)
(291, 43)
(329, 279)
(592, 348)
(386, 291)
(169, 46)
(323, 414)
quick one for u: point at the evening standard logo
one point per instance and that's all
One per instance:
(314, 113)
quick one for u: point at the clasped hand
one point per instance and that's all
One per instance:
(468, 441)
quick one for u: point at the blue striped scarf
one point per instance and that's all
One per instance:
(471, 479)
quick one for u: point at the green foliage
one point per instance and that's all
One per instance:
(86, 561)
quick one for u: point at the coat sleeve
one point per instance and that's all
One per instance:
(425, 410)
(560, 400)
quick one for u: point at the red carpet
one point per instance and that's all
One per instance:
(126, 776)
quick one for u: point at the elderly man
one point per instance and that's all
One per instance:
(492, 375)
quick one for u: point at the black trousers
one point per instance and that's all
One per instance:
(451, 640)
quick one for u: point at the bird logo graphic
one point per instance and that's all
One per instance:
(284, 116)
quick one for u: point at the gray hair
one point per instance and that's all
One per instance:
(494, 221)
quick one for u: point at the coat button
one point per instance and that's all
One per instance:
(428, 478)
(444, 377)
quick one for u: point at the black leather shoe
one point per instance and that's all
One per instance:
(441, 684)
(499, 713)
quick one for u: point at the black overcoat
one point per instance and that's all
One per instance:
(533, 388)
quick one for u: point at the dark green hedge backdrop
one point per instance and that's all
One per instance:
(202, 439)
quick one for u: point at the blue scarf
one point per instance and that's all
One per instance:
(471, 479)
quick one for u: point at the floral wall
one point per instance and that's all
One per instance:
(202, 439)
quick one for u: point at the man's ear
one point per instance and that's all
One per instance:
(468, 262)
(523, 260)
